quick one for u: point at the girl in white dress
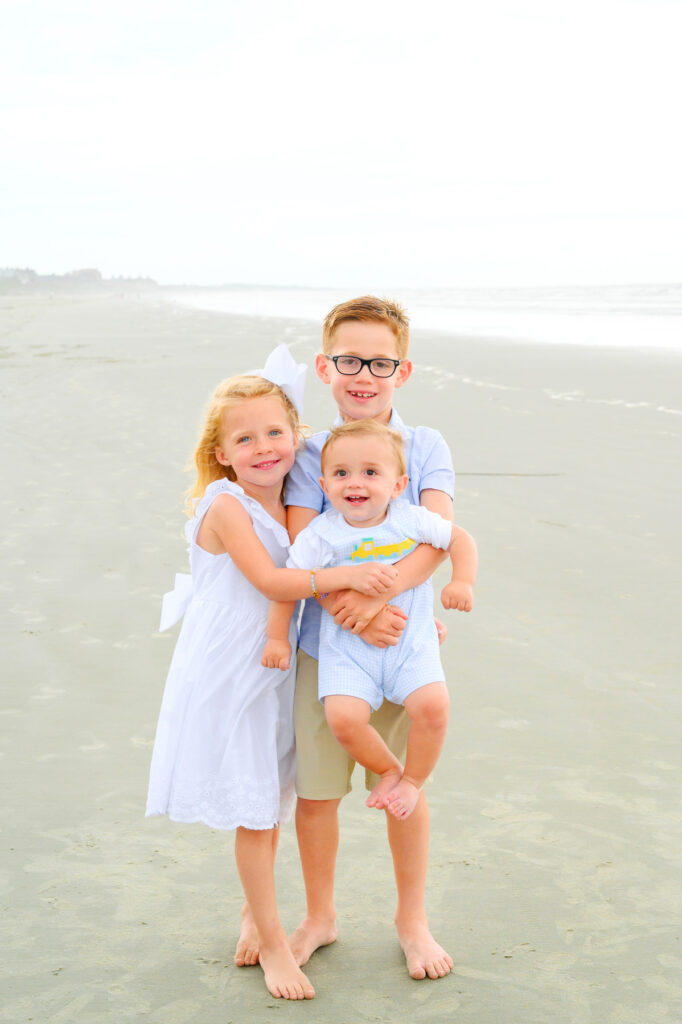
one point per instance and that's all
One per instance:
(224, 748)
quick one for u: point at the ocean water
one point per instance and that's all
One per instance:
(630, 316)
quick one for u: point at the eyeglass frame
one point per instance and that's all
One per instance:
(368, 363)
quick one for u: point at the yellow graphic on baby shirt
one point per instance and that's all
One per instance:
(368, 549)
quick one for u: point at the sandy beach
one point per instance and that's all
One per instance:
(556, 830)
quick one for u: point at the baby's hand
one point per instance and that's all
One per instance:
(458, 596)
(276, 654)
(373, 578)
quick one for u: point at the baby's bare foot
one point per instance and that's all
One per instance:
(423, 955)
(402, 799)
(377, 798)
(246, 953)
(309, 936)
(283, 977)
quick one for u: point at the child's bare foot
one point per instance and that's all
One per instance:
(246, 953)
(309, 936)
(442, 631)
(423, 955)
(387, 782)
(402, 799)
(283, 977)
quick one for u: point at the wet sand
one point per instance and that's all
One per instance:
(555, 858)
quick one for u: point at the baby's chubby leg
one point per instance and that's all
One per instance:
(348, 719)
(427, 709)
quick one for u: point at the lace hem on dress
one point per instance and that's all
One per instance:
(243, 802)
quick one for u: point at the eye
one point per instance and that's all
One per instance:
(381, 364)
(275, 432)
(371, 472)
(340, 472)
(243, 438)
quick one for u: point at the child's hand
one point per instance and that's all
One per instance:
(354, 611)
(458, 596)
(373, 578)
(385, 628)
(276, 654)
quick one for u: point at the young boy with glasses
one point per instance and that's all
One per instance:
(362, 341)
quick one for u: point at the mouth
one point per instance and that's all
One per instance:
(356, 499)
(268, 464)
(362, 396)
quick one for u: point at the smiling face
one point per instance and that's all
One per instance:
(258, 442)
(361, 476)
(363, 396)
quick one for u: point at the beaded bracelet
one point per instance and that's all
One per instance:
(320, 597)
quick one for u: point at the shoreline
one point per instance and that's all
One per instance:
(589, 318)
(556, 840)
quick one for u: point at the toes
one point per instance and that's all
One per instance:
(246, 956)
(438, 968)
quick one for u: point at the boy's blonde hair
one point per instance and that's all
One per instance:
(367, 428)
(228, 394)
(368, 308)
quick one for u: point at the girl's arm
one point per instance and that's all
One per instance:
(228, 520)
(354, 614)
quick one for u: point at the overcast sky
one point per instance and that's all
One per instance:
(305, 142)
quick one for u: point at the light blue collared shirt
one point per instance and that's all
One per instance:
(429, 467)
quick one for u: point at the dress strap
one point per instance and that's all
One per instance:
(253, 507)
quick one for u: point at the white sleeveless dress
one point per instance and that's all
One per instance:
(224, 747)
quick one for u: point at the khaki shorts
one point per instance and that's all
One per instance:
(323, 768)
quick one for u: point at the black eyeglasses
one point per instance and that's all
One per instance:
(350, 365)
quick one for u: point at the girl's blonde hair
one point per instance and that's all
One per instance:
(228, 394)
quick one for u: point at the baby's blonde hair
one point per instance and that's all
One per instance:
(368, 309)
(367, 428)
(228, 394)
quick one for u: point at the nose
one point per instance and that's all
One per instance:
(365, 377)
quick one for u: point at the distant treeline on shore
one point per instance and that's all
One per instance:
(18, 281)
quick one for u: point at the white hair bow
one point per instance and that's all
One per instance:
(282, 369)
